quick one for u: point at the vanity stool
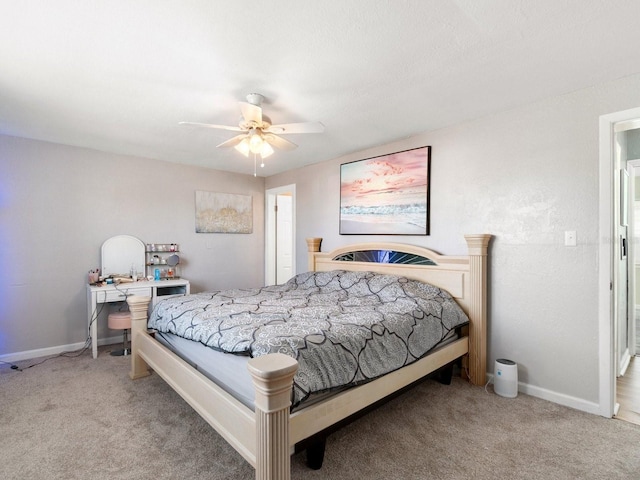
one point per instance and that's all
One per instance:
(120, 321)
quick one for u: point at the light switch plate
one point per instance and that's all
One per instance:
(570, 238)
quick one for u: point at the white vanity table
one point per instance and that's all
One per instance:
(120, 256)
(157, 290)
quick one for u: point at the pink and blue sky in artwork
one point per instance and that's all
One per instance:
(390, 189)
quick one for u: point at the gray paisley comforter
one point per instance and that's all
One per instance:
(344, 328)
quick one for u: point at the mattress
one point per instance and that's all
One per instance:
(343, 328)
(230, 372)
(227, 370)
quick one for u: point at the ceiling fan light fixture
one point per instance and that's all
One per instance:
(255, 141)
(266, 150)
(243, 147)
(257, 135)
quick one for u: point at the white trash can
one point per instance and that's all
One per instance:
(505, 378)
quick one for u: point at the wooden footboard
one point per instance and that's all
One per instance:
(261, 437)
(273, 381)
(266, 437)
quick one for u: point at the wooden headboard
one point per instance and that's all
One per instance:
(464, 277)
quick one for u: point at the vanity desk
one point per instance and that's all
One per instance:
(124, 256)
(157, 290)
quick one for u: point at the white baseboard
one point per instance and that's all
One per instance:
(555, 397)
(46, 352)
(561, 399)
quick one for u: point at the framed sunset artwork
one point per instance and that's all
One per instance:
(386, 195)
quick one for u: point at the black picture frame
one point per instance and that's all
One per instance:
(387, 194)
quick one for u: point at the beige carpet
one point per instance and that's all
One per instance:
(79, 418)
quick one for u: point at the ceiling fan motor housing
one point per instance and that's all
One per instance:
(255, 99)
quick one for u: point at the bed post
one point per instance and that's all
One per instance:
(138, 306)
(273, 380)
(313, 246)
(478, 247)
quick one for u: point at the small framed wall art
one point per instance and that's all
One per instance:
(386, 195)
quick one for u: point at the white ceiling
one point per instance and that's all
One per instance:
(118, 75)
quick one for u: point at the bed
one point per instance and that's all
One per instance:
(266, 432)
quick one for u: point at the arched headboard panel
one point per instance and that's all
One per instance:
(464, 277)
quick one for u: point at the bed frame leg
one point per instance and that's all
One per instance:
(445, 374)
(138, 306)
(315, 454)
(273, 381)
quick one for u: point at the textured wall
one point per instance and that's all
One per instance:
(525, 176)
(58, 204)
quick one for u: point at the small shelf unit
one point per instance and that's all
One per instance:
(162, 260)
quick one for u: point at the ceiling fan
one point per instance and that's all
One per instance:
(258, 134)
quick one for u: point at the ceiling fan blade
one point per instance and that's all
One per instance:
(211, 125)
(232, 142)
(308, 127)
(251, 113)
(280, 142)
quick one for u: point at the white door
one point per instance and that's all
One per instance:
(280, 234)
(284, 238)
(621, 327)
(634, 253)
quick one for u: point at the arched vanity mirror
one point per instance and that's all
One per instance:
(120, 254)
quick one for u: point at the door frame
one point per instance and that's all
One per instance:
(606, 252)
(270, 231)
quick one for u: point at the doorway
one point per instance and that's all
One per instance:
(627, 395)
(280, 234)
(616, 297)
(633, 167)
